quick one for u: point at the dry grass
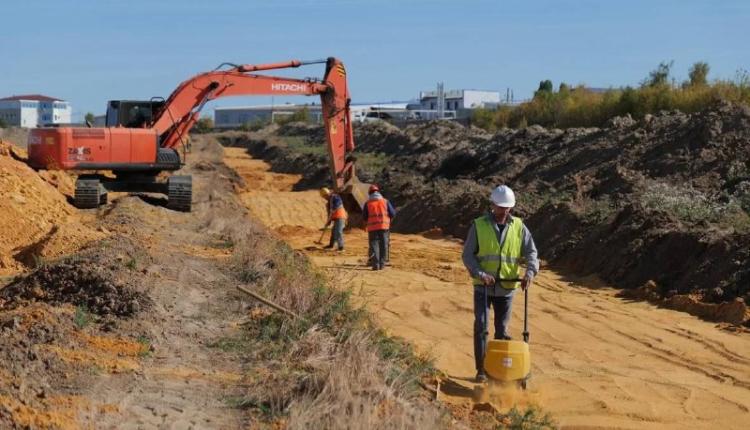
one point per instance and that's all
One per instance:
(354, 393)
(331, 369)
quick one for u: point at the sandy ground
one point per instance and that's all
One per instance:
(598, 361)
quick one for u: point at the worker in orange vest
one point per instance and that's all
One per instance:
(378, 213)
(336, 215)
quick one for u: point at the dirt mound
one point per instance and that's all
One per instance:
(36, 219)
(734, 312)
(91, 280)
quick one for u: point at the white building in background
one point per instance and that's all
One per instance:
(457, 100)
(237, 116)
(34, 110)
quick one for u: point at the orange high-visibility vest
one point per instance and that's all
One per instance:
(377, 215)
(338, 213)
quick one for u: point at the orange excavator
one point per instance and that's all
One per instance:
(141, 138)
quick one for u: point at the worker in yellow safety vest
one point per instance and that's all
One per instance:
(494, 247)
(336, 215)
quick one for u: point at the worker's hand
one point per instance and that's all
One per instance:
(525, 283)
(488, 279)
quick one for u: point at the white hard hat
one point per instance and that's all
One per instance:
(503, 196)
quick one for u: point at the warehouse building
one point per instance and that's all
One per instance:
(237, 116)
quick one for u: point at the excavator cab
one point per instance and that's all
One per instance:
(132, 113)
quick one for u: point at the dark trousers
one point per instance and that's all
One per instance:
(387, 246)
(337, 233)
(378, 248)
(502, 306)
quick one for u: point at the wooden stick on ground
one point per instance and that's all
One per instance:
(264, 300)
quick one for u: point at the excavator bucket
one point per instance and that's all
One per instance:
(358, 191)
(355, 195)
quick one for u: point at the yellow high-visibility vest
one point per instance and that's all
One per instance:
(493, 258)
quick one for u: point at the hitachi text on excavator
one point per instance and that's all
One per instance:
(141, 138)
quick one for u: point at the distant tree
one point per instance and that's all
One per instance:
(204, 125)
(545, 86)
(301, 115)
(3, 124)
(89, 117)
(564, 88)
(545, 89)
(699, 74)
(254, 125)
(659, 76)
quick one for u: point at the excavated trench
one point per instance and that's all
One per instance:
(598, 360)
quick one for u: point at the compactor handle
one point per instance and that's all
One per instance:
(526, 315)
(525, 306)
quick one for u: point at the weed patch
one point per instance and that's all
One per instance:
(300, 145)
(692, 206)
(82, 317)
(145, 342)
(530, 419)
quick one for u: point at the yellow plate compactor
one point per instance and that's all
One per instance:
(510, 360)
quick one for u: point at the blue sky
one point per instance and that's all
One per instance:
(88, 52)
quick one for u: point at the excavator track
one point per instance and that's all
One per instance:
(180, 193)
(88, 193)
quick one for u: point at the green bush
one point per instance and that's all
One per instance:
(204, 125)
(254, 125)
(530, 419)
(302, 115)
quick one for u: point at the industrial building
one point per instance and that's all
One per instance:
(33, 110)
(237, 116)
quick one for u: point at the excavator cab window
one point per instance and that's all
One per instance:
(131, 113)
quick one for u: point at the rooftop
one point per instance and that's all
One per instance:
(33, 97)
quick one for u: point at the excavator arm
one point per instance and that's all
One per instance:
(181, 110)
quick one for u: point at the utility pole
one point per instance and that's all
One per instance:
(440, 101)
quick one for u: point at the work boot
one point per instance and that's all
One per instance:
(481, 377)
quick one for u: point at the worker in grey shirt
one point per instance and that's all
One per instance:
(495, 244)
